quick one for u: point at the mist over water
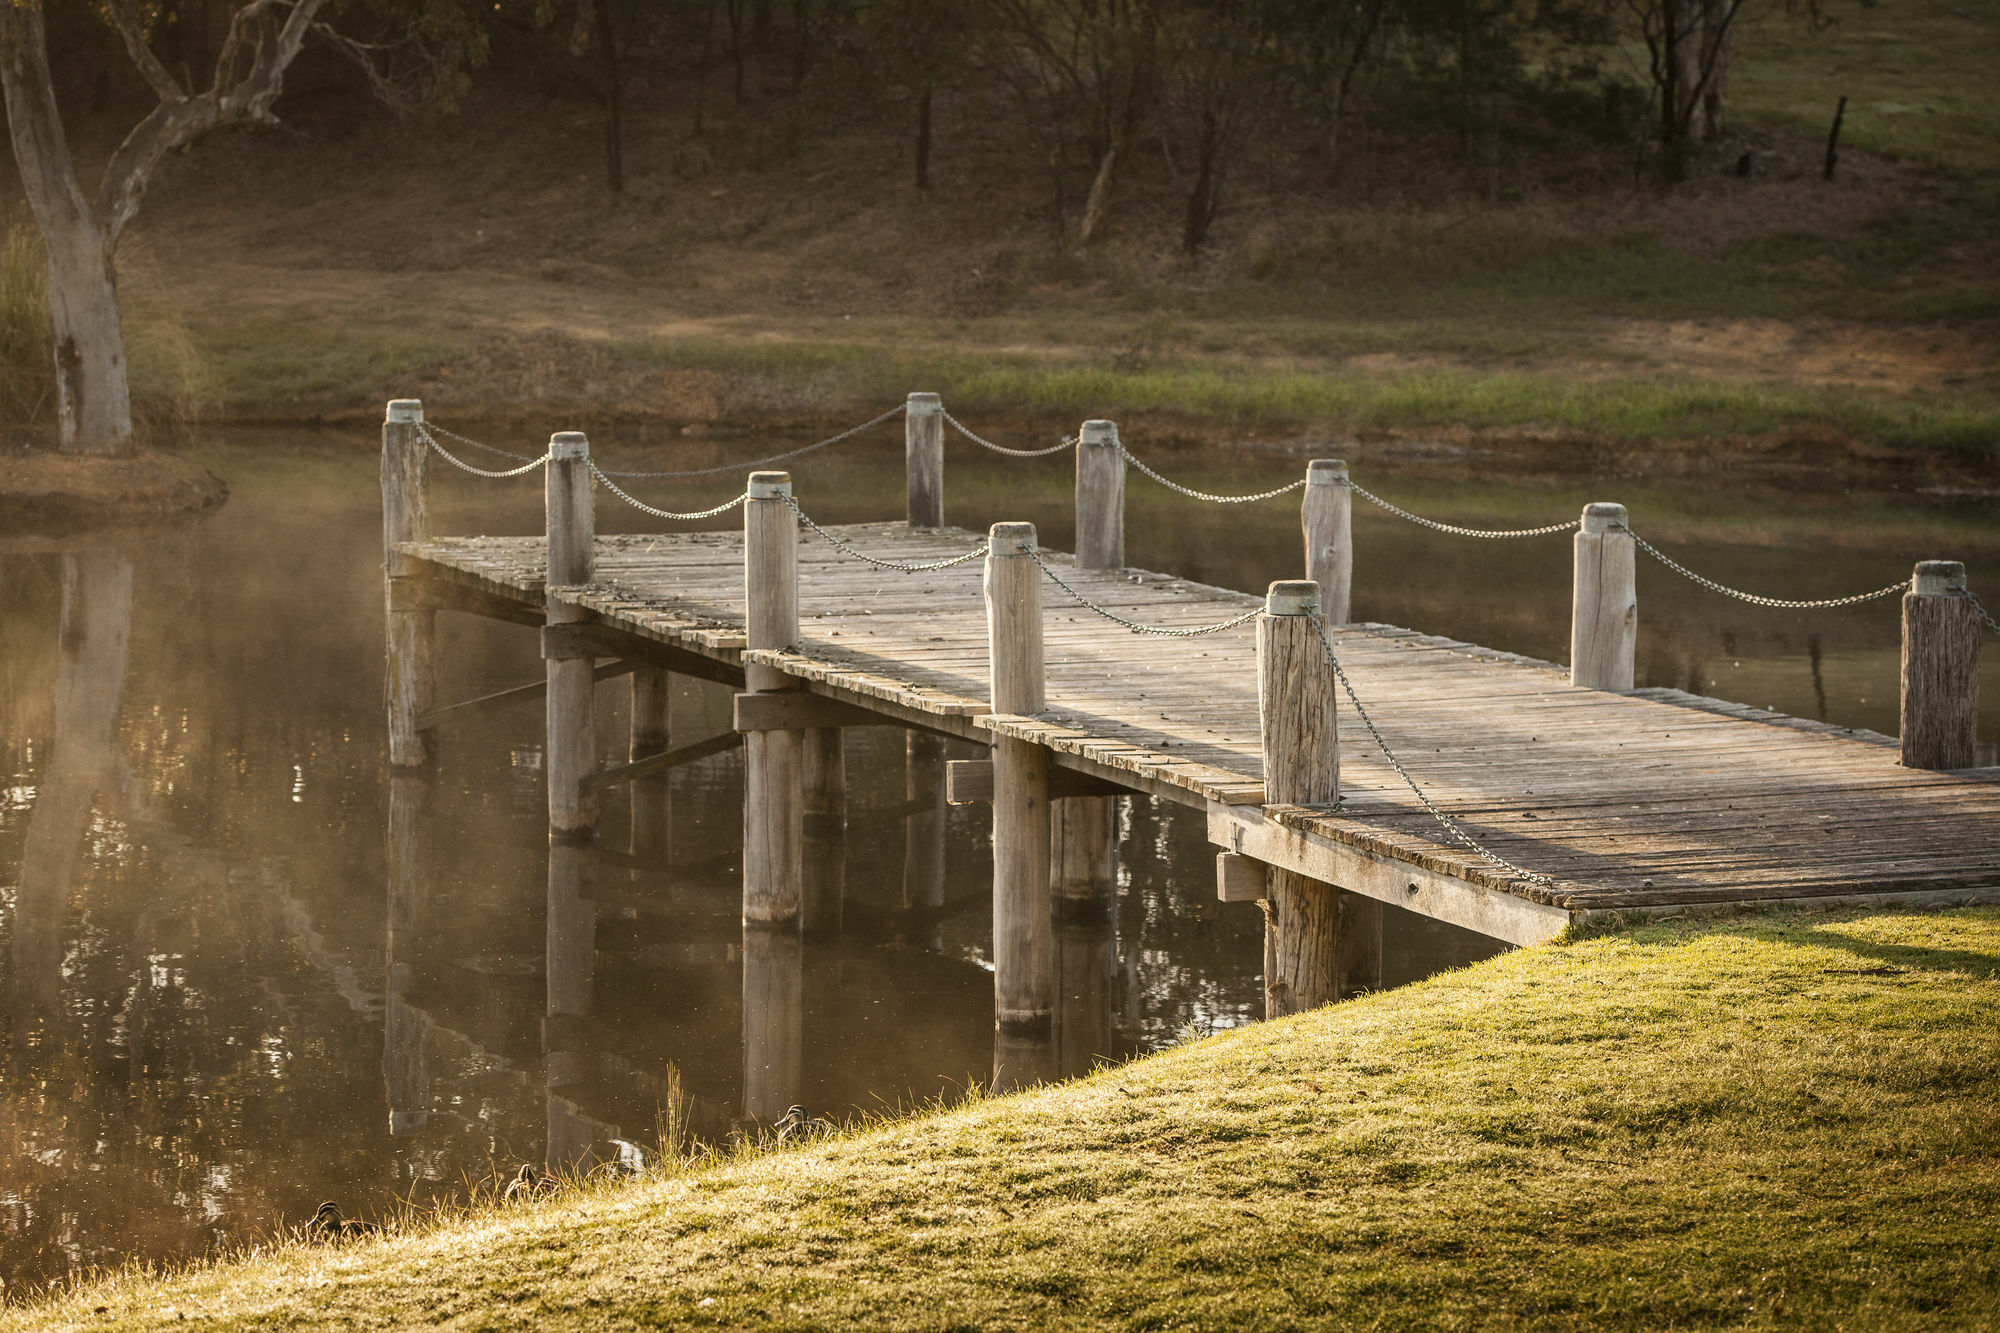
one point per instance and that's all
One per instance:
(243, 969)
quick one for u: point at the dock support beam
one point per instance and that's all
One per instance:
(1604, 611)
(1295, 700)
(1100, 497)
(406, 517)
(923, 459)
(572, 682)
(1940, 668)
(1327, 516)
(774, 761)
(1023, 944)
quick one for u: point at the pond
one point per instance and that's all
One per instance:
(223, 1003)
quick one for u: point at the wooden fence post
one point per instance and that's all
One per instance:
(1940, 668)
(572, 730)
(406, 517)
(1100, 497)
(1604, 610)
(1327, 516)
(823, 881)
(923, 459)
(773, 761)
(1295, 701)
(1023, 941)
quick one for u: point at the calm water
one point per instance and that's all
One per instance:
(223, 1002)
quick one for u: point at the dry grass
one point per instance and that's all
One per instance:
(1785, 1120)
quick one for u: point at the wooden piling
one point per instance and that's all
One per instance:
(1327, 516)
(923, 832)
(1940, 668)
(1604, 610)
(774, 761)
(1023, 949)
(572, 727)
(1295, 702)
(1100, 497)
(823, 880)
(406, 517)
(650, 733)
(923, 459)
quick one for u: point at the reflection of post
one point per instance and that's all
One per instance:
(824, 874)
(652, 733)
(1022, 1059)
(96, 623)
(773, 1019)
(571, 957)
(923, 834)
(1086, 1000)
(405, 1052)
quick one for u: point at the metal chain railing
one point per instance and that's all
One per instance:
(1754, 599)
(900, 566)
(1453, 529)
(645, 508)
(1068, 442)
(1133, 625)
(464, 466)
(847, 434)
(467, 440)
(1984, 615)
(1192, 493)
(1451, 826)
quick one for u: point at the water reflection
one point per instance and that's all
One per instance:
(247, 970)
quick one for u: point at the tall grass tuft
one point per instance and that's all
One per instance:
(171, 379)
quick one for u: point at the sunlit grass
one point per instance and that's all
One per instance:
(1785, 1119)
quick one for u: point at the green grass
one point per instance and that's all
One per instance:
(1918, 75)
(1786, 1120)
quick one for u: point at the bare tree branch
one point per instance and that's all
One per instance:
(164, 83)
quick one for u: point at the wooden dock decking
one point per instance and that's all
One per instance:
(1650, 800)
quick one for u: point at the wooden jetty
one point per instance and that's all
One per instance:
(1587, 796)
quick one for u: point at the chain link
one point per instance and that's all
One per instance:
(1134, 625)
(645, 508)
(847, 434)
(1068, 442)
(1981, 609)
(1755, 600)
(464, 466)
(1455, 531)
(1451, 826)
(1189, 491)
(904, 567)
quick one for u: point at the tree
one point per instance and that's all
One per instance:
(80, 231)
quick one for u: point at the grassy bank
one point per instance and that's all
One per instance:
(1789, 1120)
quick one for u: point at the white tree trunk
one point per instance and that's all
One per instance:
(1719, 38)
(94, 401)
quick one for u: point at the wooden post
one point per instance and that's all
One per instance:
(774, 761)
(1023, 948)
(406, 517)
(923, 459)
(923, 833)
(651, 733)
(572, 723)
(1604, 611)
(824, 855)
(1083, 854)
(1940, 668)
(773, 1020)
(1100, 497)
(1327, 515)
(1295, 700)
